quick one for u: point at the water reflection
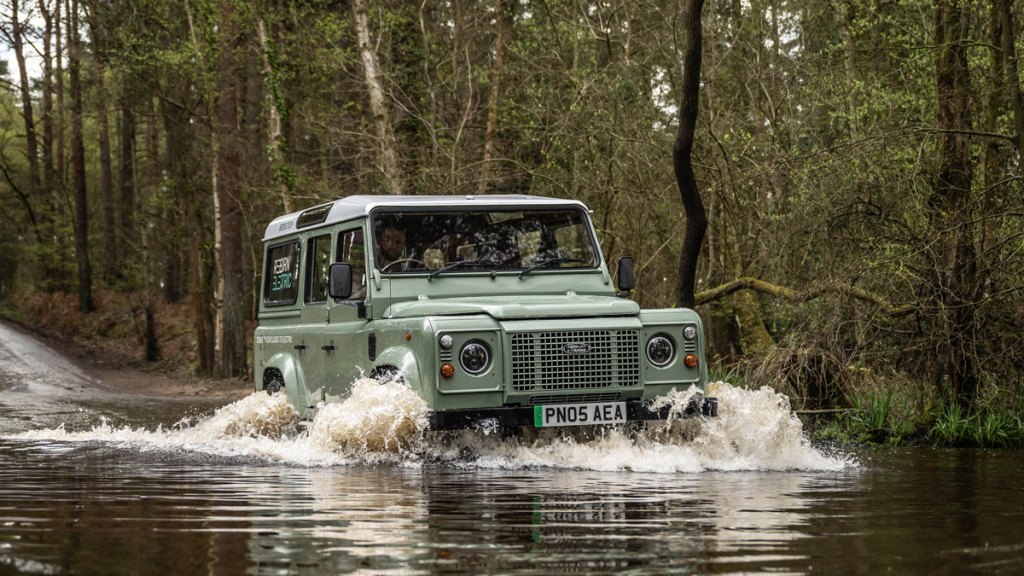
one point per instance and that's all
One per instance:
(462, 503)
(91, 508)
(100, 510)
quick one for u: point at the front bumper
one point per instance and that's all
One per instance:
(520, 416)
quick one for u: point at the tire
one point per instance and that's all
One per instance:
(384, 374)
(273, 382)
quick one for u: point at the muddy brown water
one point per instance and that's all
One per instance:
(101, 483)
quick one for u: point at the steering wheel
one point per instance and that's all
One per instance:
(390, 265)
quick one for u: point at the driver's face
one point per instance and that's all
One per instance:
(392, 243)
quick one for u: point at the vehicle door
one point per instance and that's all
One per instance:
(346, 334)
(311, 342)
(281, 308)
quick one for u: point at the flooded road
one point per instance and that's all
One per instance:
(93, 481)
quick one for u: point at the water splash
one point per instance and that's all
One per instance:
(375, 419)
(256, 415)
(387, 423)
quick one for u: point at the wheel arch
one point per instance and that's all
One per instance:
(289, 371)
(398, 360)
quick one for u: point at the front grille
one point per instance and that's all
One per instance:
(557, 360)
(575, 398)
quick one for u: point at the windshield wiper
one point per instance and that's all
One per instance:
(461, 264)
(549, 262)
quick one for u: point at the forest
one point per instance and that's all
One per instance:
(859, 163)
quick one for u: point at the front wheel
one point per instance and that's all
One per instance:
(272, 382)
(384, 374)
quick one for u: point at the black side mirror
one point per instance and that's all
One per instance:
(340, 287)
(625, 274)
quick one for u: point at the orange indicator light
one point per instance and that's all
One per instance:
(408, 336)
(447, 370)
(690, 360)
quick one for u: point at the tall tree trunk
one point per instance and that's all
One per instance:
(394, 180)
(146, 235)
(993, 159)
(126, 164)
(60, 150)
(1009, 51)
(273, 98)
(696, 218)
(753, 336)
(46, 101)
(49, 254)
(78, 163)
(503, 20)
(189, 208)
(28, 116)
(174, 156)
(949, 203)
(111, 260)
(429, 77)
(231, 63)
(202, 261)
(759, 30)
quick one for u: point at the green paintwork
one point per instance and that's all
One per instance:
(319, 348)
(517, 307)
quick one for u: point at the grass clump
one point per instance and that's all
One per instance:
(990, 426)
(873, 419)
(900, 411)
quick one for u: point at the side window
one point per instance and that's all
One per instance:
(281, 276)
(351, 250)
(318, 268)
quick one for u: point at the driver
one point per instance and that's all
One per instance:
(390, 243)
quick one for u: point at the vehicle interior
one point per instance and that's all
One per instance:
(493, 240)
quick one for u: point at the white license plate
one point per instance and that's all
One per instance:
(579, 414)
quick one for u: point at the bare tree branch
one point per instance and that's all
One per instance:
(749, 283)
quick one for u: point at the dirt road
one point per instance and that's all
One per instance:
(41, 386)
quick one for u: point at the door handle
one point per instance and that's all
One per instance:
(328, 348)
(300, 347)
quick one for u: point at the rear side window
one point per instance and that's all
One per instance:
(318, 268)
(281, 277)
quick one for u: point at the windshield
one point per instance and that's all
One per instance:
(454, 242)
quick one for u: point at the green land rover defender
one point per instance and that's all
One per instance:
(495, 308)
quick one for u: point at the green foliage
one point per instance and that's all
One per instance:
(816, 156)
(991, 426)
(728, 374)
(873, 419)
(996, 428)
(952, 426)
(871, 415)
(890, 416)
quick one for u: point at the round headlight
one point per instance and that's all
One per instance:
(475, 357)
(446, 341)
(660, 350)
(690, 332)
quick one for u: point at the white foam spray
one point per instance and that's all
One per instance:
(255, 415)
(376, 420)
(387, 423)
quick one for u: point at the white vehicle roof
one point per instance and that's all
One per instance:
(352, 207)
